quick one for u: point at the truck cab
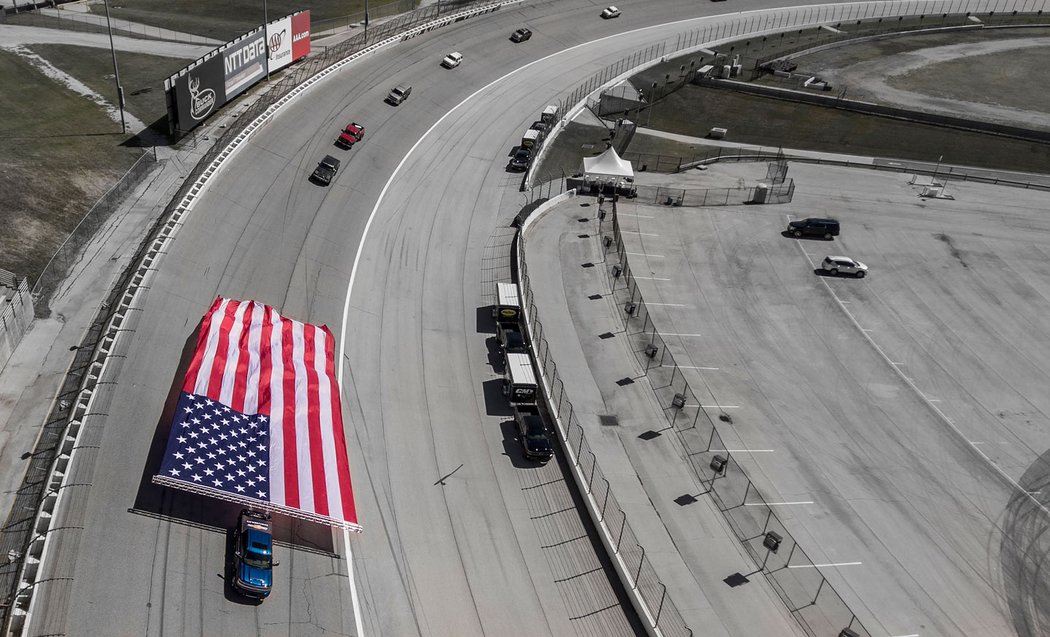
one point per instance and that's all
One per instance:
(253, 555)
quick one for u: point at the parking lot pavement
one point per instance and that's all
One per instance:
(691, 547)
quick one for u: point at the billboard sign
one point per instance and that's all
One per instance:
(279, 43)
(199, 93)
(300, 35)
(244, 63)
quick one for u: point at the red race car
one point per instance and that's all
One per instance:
(352, 134)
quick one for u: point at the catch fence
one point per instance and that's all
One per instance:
(611, 519)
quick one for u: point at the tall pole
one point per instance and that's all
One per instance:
(116, 74)
(267, 41)
(366, 22)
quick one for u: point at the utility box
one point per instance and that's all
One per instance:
(718, 133)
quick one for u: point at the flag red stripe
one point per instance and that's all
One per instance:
(287, 433)
(198, 353)
(346, 490)
(313, 420)
(221, 351)
(240, 380)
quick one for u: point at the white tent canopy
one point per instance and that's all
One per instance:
(607, 167)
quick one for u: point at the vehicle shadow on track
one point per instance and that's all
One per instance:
(201, 511)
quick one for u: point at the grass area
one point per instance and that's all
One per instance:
(565, 155)
(142, 76)
(224, 20)
(58, 154)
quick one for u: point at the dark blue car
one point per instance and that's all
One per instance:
(253, 555)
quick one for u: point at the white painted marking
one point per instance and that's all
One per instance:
(353, 584)
(713, 369)
(644, 234)
(668, 304)
(651, 278)
(975, 442)
(742, 450)
(912, 635)
(632, 214)
(720, 406)
(646, 254)
(678, 334)
(934, 400)
(897, 364)
(775, 504)
(825, 565)
(1034, 492)
(864, 329)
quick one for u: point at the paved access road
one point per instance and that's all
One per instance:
(493, 548)
(904, 414)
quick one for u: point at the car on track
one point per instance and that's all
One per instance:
(326, 170)
(610, 12)
(520, 35)
(532, 432)
(814, 227)
(398, 94)
(510, 339)
(253, 555)
(836, 265)
(352, 134)
(520, 161)
(452, 60)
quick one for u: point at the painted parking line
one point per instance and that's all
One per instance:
(644, 234)
(742, 450)
(776, 504)
(668, 304)
(631, 214)
(651, 278)
(645, 254)
(713, 369)
(828, 565)
(720, 406)
(678, 334)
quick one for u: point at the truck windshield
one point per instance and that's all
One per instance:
(255, 560)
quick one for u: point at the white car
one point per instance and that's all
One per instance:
(843, 265)
(452, 60)
(611, 12)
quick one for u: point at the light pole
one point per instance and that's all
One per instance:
(366, 22)
(116, 74)
(266, 41)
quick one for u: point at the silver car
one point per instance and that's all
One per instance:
(843, 265)
(399, 94)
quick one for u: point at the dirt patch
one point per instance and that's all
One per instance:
(58, 154)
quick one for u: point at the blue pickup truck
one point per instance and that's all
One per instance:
(253, 555)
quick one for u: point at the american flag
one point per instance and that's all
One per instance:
(259, 420)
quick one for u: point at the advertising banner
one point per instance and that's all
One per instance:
(199, 93)
(300, 35)
(244, 63)
(279, 43)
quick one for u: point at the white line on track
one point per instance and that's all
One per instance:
(912, 635)
(742, 450)
(651, 278)
(777, 504)
(829, 565)
(720, 406)
(668, 304)
(713, 369)
(676, 333)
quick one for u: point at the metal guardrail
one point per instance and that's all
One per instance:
(649, 594)
(810, 598)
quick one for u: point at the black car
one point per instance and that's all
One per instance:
(814, 227)
(520, 35)
(520, 161)
(326, 170)
(533, 433)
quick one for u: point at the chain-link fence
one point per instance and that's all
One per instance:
(819, 609)
(640, 574)
(68, 253)
(699, 197)
(331, 26)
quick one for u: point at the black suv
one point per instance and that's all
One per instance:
(814, 227)
(520, 35)
(326, 170)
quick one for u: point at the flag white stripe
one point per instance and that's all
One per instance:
(335, 504)
(233, 353)
(251, 391)
(302, 423)
(200, 384)
(277, 490)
